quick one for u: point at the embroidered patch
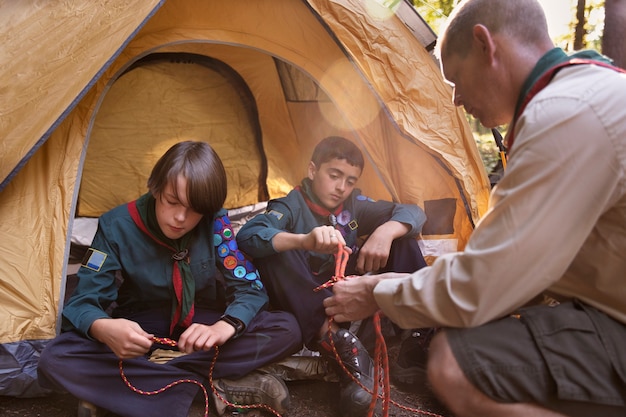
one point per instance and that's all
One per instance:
(227, 233)
(222, 250)
(93, 259)
(344, 217)
(239, 271)
(252, 276)
(276, 214)
(361, 197)
(230, 262)
(222, 226)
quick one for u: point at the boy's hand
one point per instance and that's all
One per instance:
(323, 239)
(125, 337)
(374, 253)
(203, 337)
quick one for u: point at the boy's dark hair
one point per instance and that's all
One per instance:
(201, 166)
(337, 147)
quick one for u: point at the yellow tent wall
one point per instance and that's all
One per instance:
(61, 63)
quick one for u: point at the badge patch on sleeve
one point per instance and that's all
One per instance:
(361, 197)
(276, 214)
(94, 259)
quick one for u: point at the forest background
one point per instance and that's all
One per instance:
(573, 25)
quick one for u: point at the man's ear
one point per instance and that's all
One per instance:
(483, 42)
(312, 169)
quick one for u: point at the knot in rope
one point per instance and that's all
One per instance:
(173, 343)
(381, 357)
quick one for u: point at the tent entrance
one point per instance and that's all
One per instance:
(162, 99)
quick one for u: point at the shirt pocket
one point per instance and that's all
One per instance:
(206, 278)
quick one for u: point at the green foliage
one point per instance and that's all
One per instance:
(434, 12)
(487, 149)
(486, 143)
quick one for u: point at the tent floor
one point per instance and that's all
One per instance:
(308, 399)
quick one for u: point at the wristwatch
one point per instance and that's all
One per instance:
(235, 322)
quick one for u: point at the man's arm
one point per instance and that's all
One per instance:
(540, 215)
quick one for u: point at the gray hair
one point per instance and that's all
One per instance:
(524, 20)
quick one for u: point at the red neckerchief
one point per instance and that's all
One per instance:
(542, 82)
(176, 277)
(318, 209)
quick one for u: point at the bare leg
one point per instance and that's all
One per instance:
(457, 393)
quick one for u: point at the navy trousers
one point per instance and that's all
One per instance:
(290, 283)
(89, 370)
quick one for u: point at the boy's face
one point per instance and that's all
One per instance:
(173, 213)
(333, 181)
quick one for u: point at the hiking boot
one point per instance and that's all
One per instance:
(254, 388)
(410, 367)
(87, 409)
(354, 400)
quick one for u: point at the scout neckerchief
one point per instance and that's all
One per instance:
(544, 71)
(143, 212)
(314, 204)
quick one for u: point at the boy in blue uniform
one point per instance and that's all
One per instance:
(293, 244)
(168, 246)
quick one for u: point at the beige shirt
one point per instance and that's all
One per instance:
(556, 222)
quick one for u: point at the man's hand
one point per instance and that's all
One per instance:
(353, 298)
(203, 337)
(125, 337)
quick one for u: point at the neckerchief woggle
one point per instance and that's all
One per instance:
(143, 213)
(546, 68)
(314, 204)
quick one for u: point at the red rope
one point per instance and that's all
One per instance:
(381, 358)
(170, 342)
(381, 361)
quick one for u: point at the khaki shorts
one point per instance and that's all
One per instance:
(570, 358)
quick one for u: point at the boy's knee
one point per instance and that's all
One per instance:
(46, 360)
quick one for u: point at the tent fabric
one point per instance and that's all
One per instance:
(50, 53)
(18, 369)
(86, 111)
(137, 123)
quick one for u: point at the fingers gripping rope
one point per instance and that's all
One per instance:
(341, 260)
(381, 358)
(170, 342)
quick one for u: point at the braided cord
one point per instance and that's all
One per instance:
(381, 358)
(173, 343)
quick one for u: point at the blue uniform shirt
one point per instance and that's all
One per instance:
(360, 217)
(146, 269)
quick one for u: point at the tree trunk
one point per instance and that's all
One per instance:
(614, 38)
(579, 31)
